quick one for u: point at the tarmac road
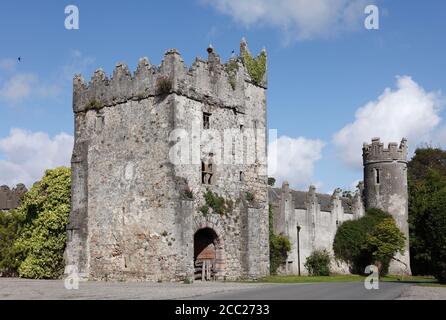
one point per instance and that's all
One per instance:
(54, 289)
(315, 291)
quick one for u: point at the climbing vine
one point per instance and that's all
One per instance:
(231, 70)
(279, 246)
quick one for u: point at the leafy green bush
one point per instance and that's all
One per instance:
(256, 67)
(204, 210)
(372, 239)
(45, 210)
(163, 85)
(279, 246)
(218, 204)
(10, 224)
(318, 263)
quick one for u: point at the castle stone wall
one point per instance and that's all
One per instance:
(318, 216)
(10, 198)
(385, 187)
(132, 216)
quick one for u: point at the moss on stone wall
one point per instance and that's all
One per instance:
(94, 105)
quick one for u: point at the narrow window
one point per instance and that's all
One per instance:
(206, 173)
(377, 176)
(206, 118)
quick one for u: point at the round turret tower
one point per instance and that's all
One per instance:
(385, 188)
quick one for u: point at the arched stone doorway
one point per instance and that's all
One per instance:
(208, 255)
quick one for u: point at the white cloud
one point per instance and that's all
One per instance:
(78, 63)
(18, 87)
(439, 138)
(299, 19)
(408, 111)
(22, 86)
(294, 160)
(26, 155)
(7, 64)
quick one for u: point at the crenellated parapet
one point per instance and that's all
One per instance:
(209, 81)
(309, 200)
(10, 198)
(376, 152)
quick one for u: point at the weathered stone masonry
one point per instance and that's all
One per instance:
(385, 187)
(320, 215)
(132, 215)
(137, 212)
(10, 198)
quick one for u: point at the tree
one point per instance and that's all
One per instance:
(384, 241)
(45, 211)
(427, 179)
(372, 239)
(436, 234)
(425, 160)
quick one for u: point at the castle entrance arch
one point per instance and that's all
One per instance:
(205, 241)
(208, 253)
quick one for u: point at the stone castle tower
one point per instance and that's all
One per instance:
(310, 219)
(148, 146)
(385, 187)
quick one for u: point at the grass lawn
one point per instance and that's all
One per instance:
(436, 285)
(346, 278)
(312, 279)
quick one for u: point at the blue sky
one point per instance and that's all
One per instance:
(323, 67)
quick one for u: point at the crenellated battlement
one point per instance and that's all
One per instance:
(311, 198)
(375, 152)
(210, 81)
(10, 198)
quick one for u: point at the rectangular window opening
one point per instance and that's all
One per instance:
(206, 120)
(207, 173)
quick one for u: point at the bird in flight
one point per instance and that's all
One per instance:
(19, 59)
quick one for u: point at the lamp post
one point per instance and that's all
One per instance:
(298, 249)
